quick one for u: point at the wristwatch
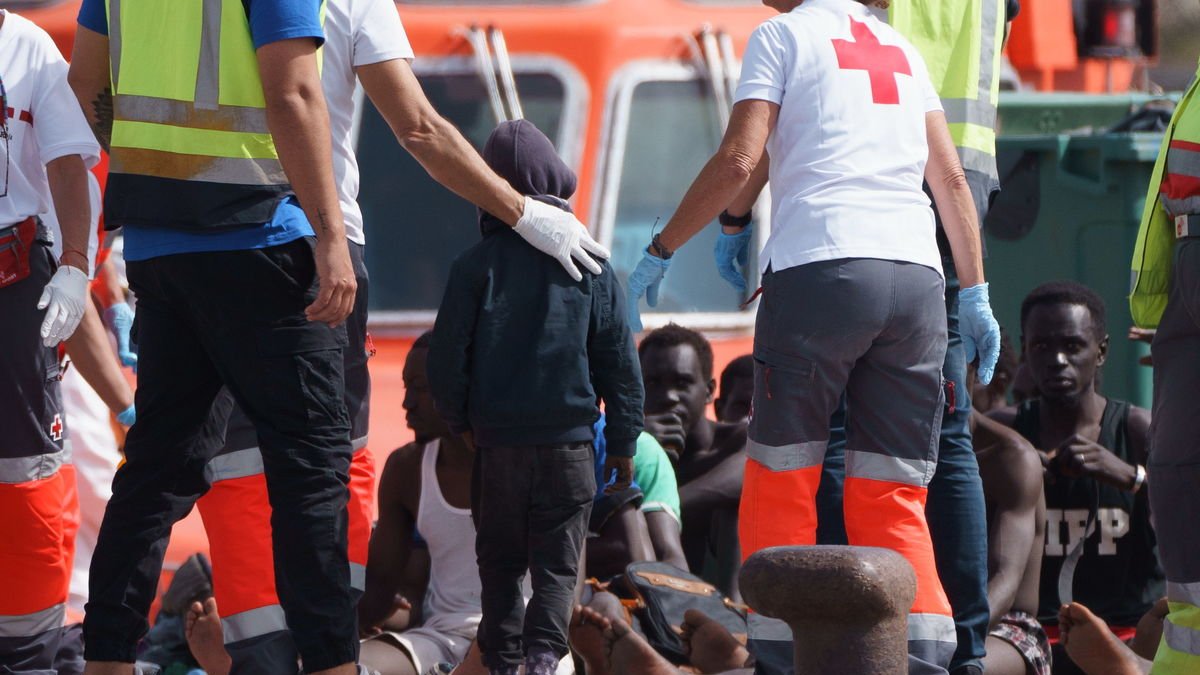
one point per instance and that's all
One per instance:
(727, 220)
(1139, 479)
(660, 249)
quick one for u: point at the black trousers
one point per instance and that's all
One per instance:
(531, 507)
(233, 319)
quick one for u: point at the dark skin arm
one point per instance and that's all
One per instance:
(623, 539)
(1079, 456)
(391, 541)
(1017, 481)
(719, 486)
(665, 536)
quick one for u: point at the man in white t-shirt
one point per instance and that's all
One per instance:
(852, 297)
(365, 42)
(46, 148)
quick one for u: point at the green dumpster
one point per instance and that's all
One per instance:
(1069, 208)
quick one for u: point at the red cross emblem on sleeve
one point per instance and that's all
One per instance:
(56, 428)
(882, 62)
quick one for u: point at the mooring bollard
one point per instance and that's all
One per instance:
(847, 605)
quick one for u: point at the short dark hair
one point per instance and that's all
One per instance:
(674, 335)
(1068, 293)
(742, 366)
(423, 341)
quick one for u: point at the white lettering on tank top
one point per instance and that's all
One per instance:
(1065, 527)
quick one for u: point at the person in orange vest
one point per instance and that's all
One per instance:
(47, 149)
(852, 294)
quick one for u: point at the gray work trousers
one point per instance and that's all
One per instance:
(874, 330)
(1173, 474)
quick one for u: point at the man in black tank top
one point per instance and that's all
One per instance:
(1100, 549)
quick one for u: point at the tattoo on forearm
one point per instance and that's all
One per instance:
(102, 126)
(322, 224)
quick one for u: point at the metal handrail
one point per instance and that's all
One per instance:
(715, 69)
(505, 70)
(487, 70)
(733, 67)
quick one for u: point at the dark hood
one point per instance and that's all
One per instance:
(522, 155)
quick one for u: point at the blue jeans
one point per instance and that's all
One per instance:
(955, 508)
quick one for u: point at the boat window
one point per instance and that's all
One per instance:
(415, 228)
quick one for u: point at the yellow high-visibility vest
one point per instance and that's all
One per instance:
(190, 144)
(960, 41)
(1150, 280)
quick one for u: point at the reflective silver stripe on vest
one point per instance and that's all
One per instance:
(130, 108)
(237, 464)
(1189, 593)
(358, 576)
(208, 74)
(1183, 162)
(1181, 638)
(114, 41)
(970, 111)
(977, 160)
(358, 443)
(875, 466)
(16, 470)
(164, 164)
(253, 623)
(30, 625)
(787, 457)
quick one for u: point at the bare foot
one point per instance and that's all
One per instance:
(205, 638)
(1149, 630)
(710, 646)
(587, 639)
(1093, 647)
(609, 606)
(632, 655)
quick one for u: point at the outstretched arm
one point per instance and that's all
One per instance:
(726, 173)
(92, 354)
(450, 160)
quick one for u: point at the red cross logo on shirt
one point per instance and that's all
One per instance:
(882, 62)
(56, 428)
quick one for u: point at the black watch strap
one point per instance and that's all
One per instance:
(727, 220)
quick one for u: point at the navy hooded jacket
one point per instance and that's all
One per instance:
(521, 353)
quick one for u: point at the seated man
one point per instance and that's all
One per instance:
(1097, 514)
(1016, 514)
(640, 522)
(737, 390)
(709, 457)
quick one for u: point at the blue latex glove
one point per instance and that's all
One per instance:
(980, 332)
(127, 416)
(644, 280)
(120, 318)
(730, 248)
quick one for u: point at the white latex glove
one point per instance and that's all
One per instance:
(63, 301)
(561, 236)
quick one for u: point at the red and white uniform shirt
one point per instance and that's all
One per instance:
(43, 121)
(848, 152)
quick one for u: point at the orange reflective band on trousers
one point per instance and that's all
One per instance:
(778, 508)
(34, 557)
(71, 520)
(237, 518)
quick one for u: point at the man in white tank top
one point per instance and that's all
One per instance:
(425, 489)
